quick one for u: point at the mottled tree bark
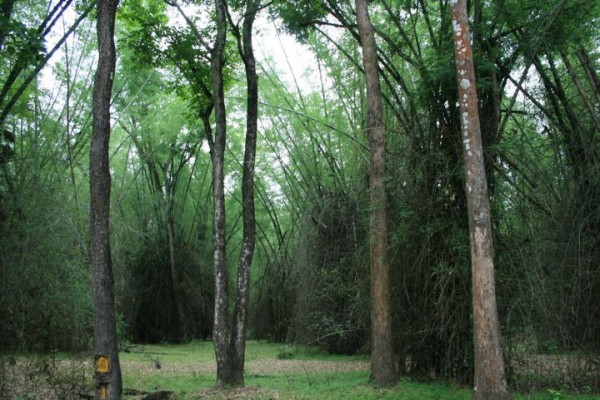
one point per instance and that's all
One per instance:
(108, 371)
(240, 321)
(383, 366)
(221, 313)
(490, 379)
(231, 355)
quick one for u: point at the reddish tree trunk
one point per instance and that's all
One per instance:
(383, 364)
(490, 379)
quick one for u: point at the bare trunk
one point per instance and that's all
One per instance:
(108, 371)
(238, 339)
(221, 313)
(490, 379)
(383, 366)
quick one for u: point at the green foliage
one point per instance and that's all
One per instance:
(45, 299)
(299, 16)
(157, 190)
(552, 24)
(142, 26)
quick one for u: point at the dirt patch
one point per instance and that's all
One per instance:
(259, 367)
(247, 392)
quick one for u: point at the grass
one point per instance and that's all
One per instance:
(304, 373)
(273, 371)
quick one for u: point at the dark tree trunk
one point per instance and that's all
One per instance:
(383, 366)
(221, 313)
(5, 13)
(238, 338)
(108, 371)
(490, 379)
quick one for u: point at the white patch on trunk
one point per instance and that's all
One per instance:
(456, 26)
(465, 122)
(465, 83)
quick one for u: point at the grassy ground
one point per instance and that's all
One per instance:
(272, 372)
(303, 374)
(189, 371)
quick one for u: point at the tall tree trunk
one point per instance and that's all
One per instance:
(383, 366)
(238, 338)
(221, 313)
(108, 371)
(490, 379)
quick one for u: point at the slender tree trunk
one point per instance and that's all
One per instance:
(383, 366)
(238, 338)
(490, 379)
(584, 98)
(221, 313)
(108, 371)
(590, 72)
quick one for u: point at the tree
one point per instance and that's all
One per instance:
(242, 305)
(383, 362)
(221, 312)
(230, 356)
(108, 370)
(490, 379)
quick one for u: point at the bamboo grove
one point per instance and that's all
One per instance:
(537, 79)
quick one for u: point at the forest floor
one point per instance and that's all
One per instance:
(273, 371)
